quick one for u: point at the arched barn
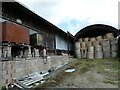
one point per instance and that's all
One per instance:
(96, 41)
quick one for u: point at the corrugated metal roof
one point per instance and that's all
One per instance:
(17, 5)
(95, 30)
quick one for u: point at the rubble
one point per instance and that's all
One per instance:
(30, 79)
(34, 79)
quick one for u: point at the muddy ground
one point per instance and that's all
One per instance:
(88, 74)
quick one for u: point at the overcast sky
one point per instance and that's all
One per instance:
(73, 15)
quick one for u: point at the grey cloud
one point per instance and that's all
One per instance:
(44, 9)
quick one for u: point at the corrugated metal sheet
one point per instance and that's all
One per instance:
(42, 39)
(14, 33)
(95, 30)
(49, 41)
(61, 43)
(71, 46)
(36, 39)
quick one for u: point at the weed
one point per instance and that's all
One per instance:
(83, 65)
(110, 81)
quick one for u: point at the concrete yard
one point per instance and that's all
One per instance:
(88, 74)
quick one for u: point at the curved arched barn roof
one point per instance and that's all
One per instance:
(96, 30)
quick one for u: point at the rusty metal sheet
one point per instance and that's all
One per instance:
(14, 33)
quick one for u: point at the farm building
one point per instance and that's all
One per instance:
(25, 28)
(97, 41)
(24, 34)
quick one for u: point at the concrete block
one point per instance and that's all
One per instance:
(17, 64)
(37, 53)
(1, 82)
(24, 67)
(29, 52)
(1, 75)
(0, 51)
(9, 51)
(1, 66)
(5, 65)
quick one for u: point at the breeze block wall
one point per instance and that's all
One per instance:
(18, 68)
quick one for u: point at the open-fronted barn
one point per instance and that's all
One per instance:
(97, 41)
(41, 32)
(29, 43)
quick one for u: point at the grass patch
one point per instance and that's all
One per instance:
(78, 64)
(110, 69)
(3, 88)
(111, 81)
(82, 65)
(100, 68)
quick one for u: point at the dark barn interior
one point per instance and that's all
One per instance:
(96, 30)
